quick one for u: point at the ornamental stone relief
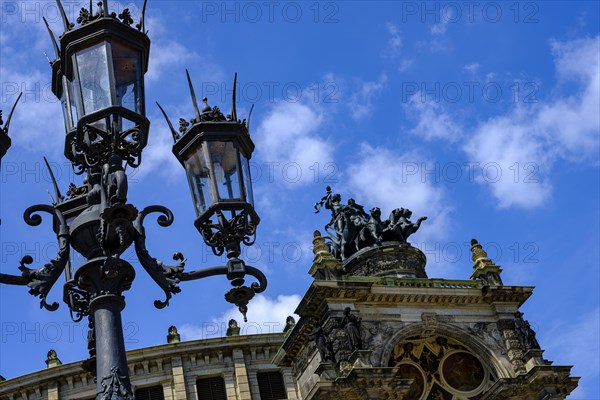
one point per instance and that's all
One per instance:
(440, 369)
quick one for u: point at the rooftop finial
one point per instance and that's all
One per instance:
(484, 269)
(173, 336)
(52, 359)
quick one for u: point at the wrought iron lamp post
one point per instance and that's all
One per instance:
(98, 75)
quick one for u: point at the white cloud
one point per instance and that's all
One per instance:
(361, 102)
(265, 315)
(158, 157)
(514, 162)
(576, 343)
(289, 136)
(432, 121)
(440, 27)
(527, 141)
(389, 180)
(38, 117)
(405, 64)
(395, 40)
(472, 68)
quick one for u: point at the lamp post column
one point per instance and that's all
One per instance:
(105, 278)
(111, 363)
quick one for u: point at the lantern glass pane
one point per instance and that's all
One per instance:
(247, 179)
(68, 105)
(93, 79)
(128, 82)
(198, 175)
(224, 166)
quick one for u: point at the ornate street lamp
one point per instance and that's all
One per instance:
(98, 75)
(215, 151)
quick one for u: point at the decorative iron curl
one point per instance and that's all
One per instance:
(261, 285)
(166, 277)
(43, 279)
(238, 229)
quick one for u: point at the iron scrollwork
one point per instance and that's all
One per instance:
(166, 277)
(43, 278)
(239, 229)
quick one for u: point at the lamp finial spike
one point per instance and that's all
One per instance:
(196, 110)
(5, 128)
(234, 99)
(249, 116)
(141, 25)
(173, 131)
(54, 44)
(59, 196)
(67, 25)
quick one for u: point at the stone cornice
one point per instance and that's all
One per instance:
(393, 291)
(204, 346)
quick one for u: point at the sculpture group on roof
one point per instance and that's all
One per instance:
(351, 228)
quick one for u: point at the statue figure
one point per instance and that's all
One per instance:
(233, 329)
(408, 228)
(372, 230)
(290, 322)
(357, 209)
(352, 229)
(351, 324)
(323, 344)
(526, 333)
(341, 223)
(115, 180)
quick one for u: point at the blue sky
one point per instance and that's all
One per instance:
(483, 117)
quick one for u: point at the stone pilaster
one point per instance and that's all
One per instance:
(179, 392)
(241, 375)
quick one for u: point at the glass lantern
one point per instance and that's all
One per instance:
(218, 172)
(99, 78)
(216, 157)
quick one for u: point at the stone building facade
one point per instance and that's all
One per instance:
(371, 327)
(178, 369)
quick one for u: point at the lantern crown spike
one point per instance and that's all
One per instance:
(59, 197)
(249, 116)
(66, 24)
(193, 94)
(10, 114)
(141, 26)
(234, 99)
(104, 7)
(176, 136)
(53, 39)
